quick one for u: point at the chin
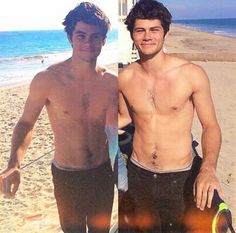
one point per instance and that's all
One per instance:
(149, 53)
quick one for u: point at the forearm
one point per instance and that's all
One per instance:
(211, 143)
(20, 140)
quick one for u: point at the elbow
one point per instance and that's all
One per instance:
(24, 126)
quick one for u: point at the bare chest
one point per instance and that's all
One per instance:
(76, 102)
(159, 96)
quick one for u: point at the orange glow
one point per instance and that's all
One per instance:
(198, 221)
(100, 221)
(139, 220)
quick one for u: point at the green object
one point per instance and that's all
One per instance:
(222, 208)
(223, 213)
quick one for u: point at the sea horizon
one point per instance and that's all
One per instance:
(219, 26)
(25, 53)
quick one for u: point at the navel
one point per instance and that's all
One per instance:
(154, 156)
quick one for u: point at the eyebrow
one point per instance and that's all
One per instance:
(85, 33)
(151, 28)
(78, 32)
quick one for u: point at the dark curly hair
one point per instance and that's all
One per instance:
(88, 13)
(149, 9)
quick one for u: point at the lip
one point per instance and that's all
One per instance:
(147, 44)
(87, 50)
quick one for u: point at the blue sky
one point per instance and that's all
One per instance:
(45, 14)
(48, 14)
(200, 9)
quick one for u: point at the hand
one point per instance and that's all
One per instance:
(204, 186)
(9, 182)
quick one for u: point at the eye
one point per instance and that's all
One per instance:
(97, 38)
(139, 30)
(80, 36)
(155, 30)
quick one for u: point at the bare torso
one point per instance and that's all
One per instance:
(77, 109)
(162, 111)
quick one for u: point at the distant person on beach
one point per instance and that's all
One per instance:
(81, 100)
(168, 187)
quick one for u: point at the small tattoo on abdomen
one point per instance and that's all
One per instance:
(154, 155)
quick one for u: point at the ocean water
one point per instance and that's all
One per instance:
(24, 53)
(225, 27)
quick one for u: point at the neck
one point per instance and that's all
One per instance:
(153, 63)
(84, 68)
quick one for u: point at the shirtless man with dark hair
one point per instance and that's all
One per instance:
(159, 94)
(81, 100)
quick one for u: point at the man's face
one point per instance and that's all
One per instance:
(148, 36)
(87, 41)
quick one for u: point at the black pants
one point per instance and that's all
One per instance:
(162, 202)
(84, 198)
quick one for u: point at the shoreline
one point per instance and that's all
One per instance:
(24, 214)
(184, 40)
(110, 67)
(199, 30)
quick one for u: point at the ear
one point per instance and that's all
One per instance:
(166, 35)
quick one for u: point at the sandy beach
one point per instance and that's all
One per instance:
(33, 210)
(217, 55)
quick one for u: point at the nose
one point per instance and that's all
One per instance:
(88, 40)
(147, 35)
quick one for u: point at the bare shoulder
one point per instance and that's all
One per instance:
(173, 62)
(186, 66)
(127, 73)
(108, 77)
(195, 72)
(128, 70)
(59, 68)
(196, 76)
(44, 79)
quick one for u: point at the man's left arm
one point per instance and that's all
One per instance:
(206, 181)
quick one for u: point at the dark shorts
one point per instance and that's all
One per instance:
(161, 202)
(84, 198)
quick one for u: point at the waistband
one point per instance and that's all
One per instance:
(100, 166)
(193, 169)
(187, 168)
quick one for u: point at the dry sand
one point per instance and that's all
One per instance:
(216, 55)
(33, 210)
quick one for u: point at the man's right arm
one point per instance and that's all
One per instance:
(124, 117)
(39, 90)
(123, 113)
